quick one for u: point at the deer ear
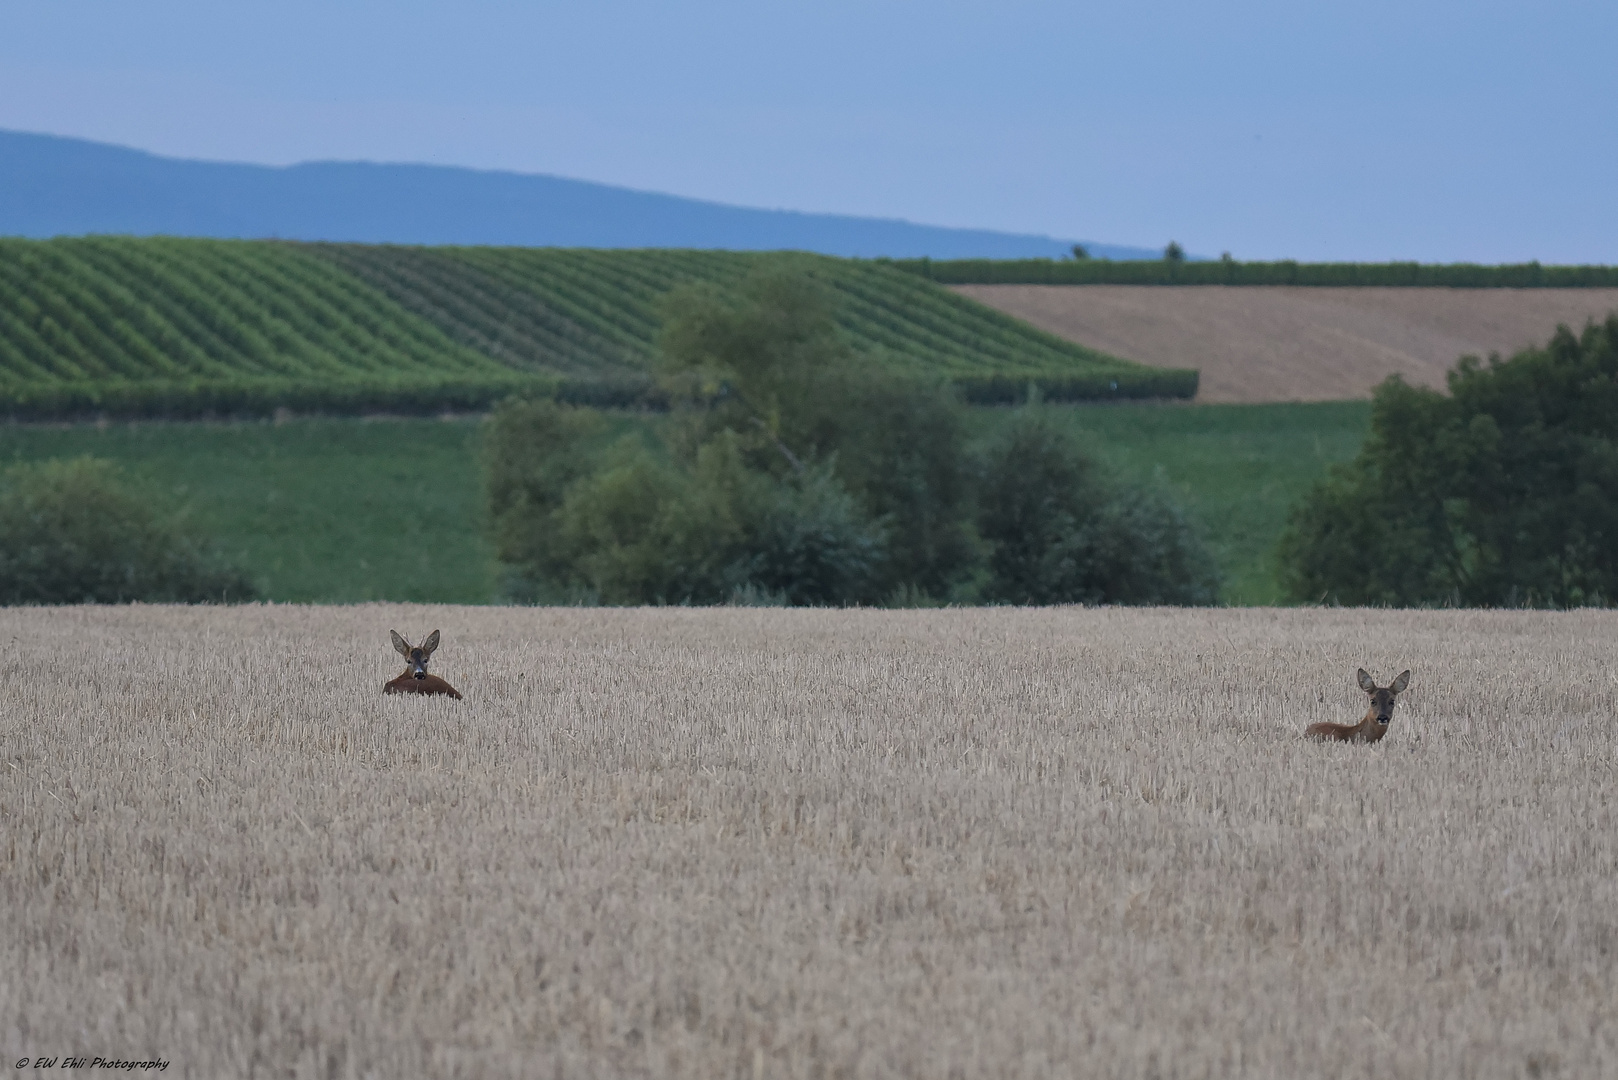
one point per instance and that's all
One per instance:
(431, 643)
(1400, 683)
(400, 643)
(1367, 683)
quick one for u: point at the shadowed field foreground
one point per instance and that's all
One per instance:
(750, 843)
(1284, 343)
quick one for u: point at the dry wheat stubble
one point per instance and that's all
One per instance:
(800, 843)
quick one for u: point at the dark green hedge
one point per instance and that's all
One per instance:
(1227, 272)
(1116, 386)
(196, 399)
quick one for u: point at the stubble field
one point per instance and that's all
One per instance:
(1285, 343)
(764, 843)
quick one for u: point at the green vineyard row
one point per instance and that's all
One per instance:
(1231, 272)
(177, 327)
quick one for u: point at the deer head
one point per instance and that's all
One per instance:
(417, 655)
(1382, 697)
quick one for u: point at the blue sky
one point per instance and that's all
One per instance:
(1431, 130)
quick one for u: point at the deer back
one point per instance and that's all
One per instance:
(427, 684)
(1366, 731)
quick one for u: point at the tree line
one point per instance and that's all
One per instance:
(1501, 493)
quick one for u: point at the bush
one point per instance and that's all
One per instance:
(1059, 532)
(79, 531)
(1502, 493)
(817, 546)
(644, 531)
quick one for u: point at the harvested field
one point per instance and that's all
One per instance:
(716, 843)
(1261, 344)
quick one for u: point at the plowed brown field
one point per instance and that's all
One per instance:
(1297, 344)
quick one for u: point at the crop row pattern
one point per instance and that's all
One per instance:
(180, 327)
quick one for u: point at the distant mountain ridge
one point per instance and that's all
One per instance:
(53, 186)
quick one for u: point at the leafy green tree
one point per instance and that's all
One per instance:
(81, 531)
(900, 447)
(1174, 253)
(759, 361)
(533, 453)
(767, 363)
(1502, 493)
(1058, 531)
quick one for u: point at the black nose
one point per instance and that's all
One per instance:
(421, 673)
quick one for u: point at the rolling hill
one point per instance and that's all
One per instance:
(185, 327)
(52, 186)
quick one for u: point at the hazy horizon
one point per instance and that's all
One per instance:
(1430, 130)
(52, 185)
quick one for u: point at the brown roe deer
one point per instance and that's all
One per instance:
(1376, 720)
(415, 679)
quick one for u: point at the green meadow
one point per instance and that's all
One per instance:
(342, 510)
(325, 510)
(1238, 469)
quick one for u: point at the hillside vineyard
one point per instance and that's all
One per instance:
(776, 843)
(174, 327)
